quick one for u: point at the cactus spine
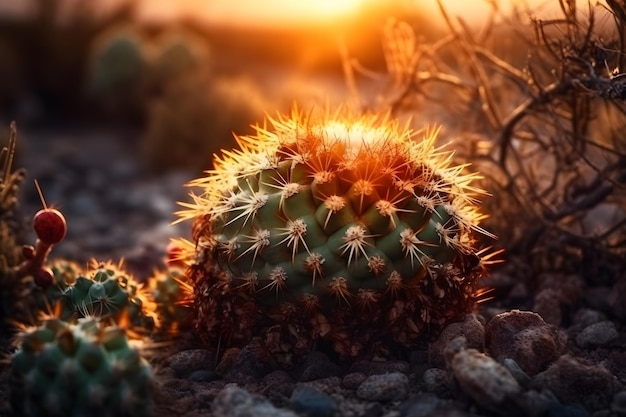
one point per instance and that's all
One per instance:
(351, 230)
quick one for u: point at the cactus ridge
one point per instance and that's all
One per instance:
(86, 368)
(102, 290)
(335, 214)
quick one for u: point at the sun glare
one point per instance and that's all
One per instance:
(267, 12)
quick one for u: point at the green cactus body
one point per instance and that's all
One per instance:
(103, 290)
(179, 53)
(83, 369)
(170, 291)
(118, 63)
(343, 229)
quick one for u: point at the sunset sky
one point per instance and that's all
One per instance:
(273, 12)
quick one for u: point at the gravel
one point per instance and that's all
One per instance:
(505, 359)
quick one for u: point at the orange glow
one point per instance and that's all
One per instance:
(267, 12)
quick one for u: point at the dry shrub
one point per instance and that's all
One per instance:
(538, 107)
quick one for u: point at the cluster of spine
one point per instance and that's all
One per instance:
(170, 289)
(83, 368)
(102, 290)
(339, 229)
(78, 359)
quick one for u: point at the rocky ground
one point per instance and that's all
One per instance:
(565, 358)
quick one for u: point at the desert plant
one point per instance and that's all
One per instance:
(178, 53)
(80, 369)
(542, 123)
(102, 290)
(335, 228)
(199, 112)
(118, 66)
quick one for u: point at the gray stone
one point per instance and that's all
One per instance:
(437, 381)
(187, 361)
(384, 387)
(421, 406)
(233, 401)
(471, 328)
(575, 381)
(518, 373)
(312, 402)
(486, 381)
(597, 334)
(353, 380)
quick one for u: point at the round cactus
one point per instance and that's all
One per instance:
(178, 53)
(116, 72)
(79, 369)
(102, 290)
(344, 229)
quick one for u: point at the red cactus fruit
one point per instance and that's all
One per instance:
(50, 226)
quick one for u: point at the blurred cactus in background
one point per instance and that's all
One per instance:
(82, 369)
(198, 113)
(351, 231)
(117, 71)
(178, 53)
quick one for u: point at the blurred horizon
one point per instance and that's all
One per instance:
(284, 12)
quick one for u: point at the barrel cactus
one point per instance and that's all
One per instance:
(351, 231)
(117, 68)
(82, 369)
(102, 290)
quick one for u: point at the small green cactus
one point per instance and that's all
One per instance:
(117, 68)
(102, 290)
(347, 230)
(171, 290)
(178, 53)
(82, 369)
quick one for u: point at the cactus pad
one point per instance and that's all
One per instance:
(351, 230)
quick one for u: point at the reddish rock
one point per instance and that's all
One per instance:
(526, 338)
(574, 381)
(471, 329)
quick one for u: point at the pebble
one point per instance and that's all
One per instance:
(202, 375)
(526, 338)
(575, 381)
(547, 304)
(437, 381)
(353, 380)
(187, 361)
(518, 373)
(318, 366)
(486, 381)
(386, 387)
(249, 365)
(312, 402)
(597, 334)
(278, 384)
(423, 405)
(471, 328)
(233, 401)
